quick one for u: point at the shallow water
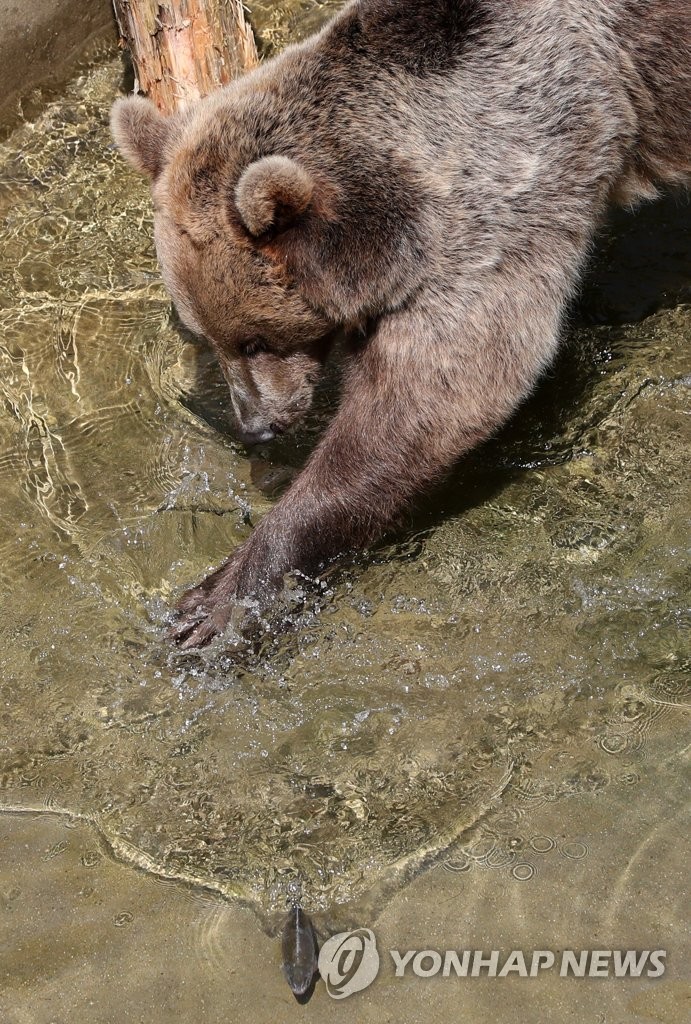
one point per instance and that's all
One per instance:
(520, 644)
(288, 21)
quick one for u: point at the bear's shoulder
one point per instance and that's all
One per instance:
(422, 38)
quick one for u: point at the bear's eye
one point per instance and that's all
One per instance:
(253, 348)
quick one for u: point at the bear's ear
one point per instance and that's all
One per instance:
(140, 133)
(272, 194)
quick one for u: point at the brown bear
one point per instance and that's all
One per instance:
(429, 175)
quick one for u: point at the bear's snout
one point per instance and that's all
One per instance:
(257, 435)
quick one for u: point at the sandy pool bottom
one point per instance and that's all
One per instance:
(85, 939)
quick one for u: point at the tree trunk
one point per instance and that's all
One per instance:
(184, 49)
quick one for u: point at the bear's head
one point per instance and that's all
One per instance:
(223, 216)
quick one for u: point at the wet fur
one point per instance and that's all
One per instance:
(456, 159)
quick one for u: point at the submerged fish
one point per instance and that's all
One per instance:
(300, 952)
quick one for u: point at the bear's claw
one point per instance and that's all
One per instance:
(195, 633)
(195, 624)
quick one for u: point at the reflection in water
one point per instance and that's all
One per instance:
(516, 647)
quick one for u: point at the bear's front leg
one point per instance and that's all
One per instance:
(415, 399)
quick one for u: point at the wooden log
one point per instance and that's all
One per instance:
(184, 49)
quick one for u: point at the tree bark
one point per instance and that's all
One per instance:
(184, 49)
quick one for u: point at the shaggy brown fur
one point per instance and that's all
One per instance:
(433, 172)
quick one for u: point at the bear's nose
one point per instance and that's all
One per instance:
(260, 436)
